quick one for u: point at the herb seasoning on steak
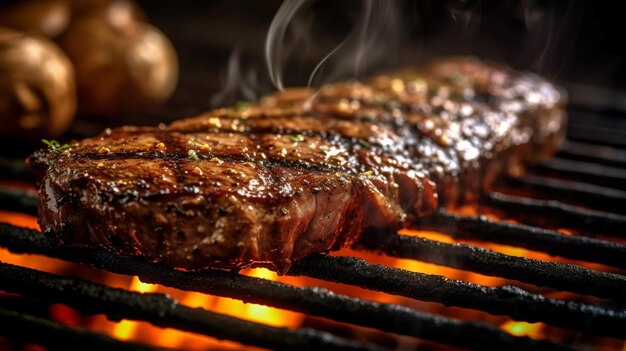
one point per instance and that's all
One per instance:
(302, 170)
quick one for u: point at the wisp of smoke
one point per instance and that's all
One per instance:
(373, 41)
(238, 85)
(551, 28)
(275, 37)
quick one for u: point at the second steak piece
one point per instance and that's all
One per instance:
(300, 172)
(471, 120)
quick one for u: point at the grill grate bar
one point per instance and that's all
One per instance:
(505, 300)
(161, 310)
(55, 336)
(560, 276)
(585, 171)
(18, 200)
(11, 168)
(533, 238)
(596, 154)
(593, 195)
(596, 135)
(559, 214)
(312, 300)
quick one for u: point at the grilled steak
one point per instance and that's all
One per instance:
(302, 170)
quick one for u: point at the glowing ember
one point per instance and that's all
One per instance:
(522, 328)
(125, 329)
(269, 315)
(131, 330)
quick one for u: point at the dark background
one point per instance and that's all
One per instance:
(580, 44)
(576, 43)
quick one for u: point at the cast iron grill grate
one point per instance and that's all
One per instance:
(588, 172)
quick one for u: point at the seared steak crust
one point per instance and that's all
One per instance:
(301, 171)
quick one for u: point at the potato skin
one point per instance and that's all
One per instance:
(45, 17)
(37, 88)
(121, 65)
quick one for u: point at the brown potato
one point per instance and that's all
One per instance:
(45, 17)
(37, 90)
(120, 12)
(122, 65)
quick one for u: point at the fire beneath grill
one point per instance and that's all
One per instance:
(518, 271)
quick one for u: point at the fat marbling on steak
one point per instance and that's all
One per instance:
(300, 171)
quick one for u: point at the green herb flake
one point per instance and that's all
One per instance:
(296, 138)
(55, 146)
(193, 155)
(241, 105)
(456, 95)
(366, 144)
(394, 105)
(367, 116)
(379, 100)
(325, 150)
(458, 79)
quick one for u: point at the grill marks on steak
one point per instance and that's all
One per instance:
(302, 171)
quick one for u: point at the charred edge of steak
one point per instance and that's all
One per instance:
(302, 171)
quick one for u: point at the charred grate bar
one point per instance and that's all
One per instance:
(594, 153)
(163, 311)
(533, 238)
(557, 214)
(55, 336)
(560, 276)
(505, 300)
(595, 126)
(594, 195)
(584, 171)
(18, 200)
(14, 169)
(596, 135)
(313, 300)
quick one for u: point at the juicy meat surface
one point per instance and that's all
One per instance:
(300, 171)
